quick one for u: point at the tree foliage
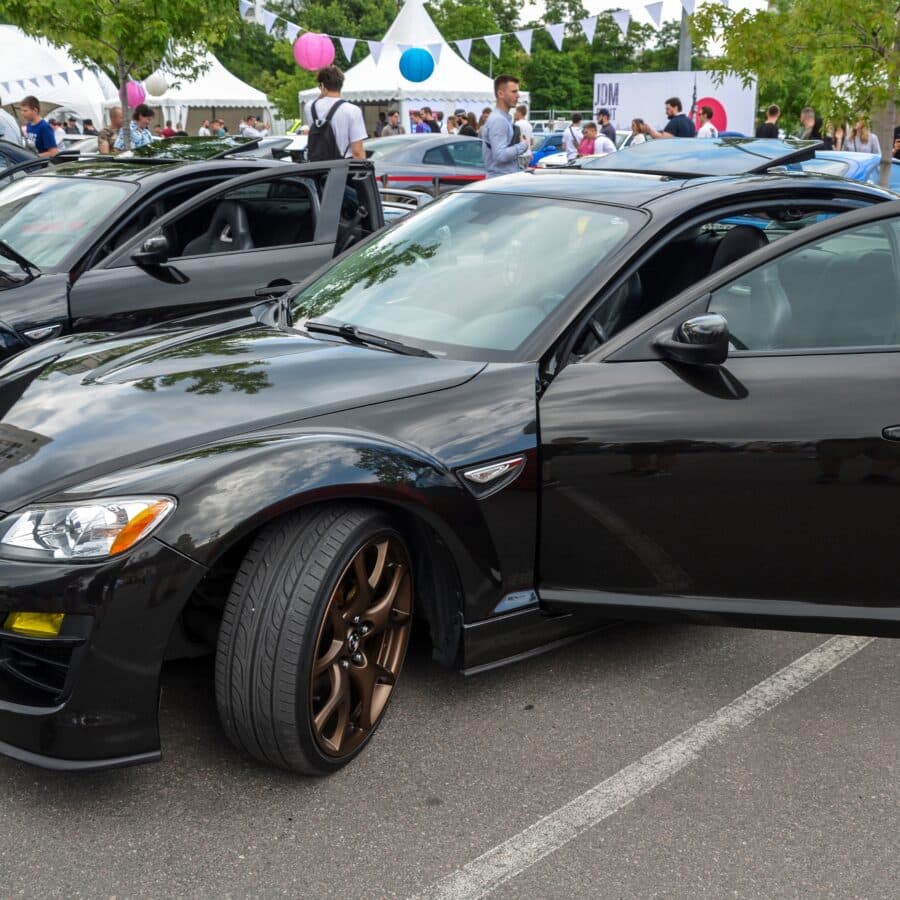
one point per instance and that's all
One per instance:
(807, 43)
(127, 37)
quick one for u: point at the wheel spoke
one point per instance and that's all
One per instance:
(372, 695)
(338, 699)
(380, 614)
(329, 657)
(363, 596)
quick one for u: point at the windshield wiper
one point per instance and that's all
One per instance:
(29, 268)
(355, 335)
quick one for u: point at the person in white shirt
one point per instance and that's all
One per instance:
(58, 132)
(347, 123)
(526, 133)
(203, 130)
(572, 138)
(250, 128)
(706, 129)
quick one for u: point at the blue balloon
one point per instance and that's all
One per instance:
(416, 64)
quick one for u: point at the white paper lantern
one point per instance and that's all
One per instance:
(156, 84)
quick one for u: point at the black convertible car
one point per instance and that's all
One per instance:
(682, 409)
(117, 243)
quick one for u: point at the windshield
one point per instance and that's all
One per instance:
(43, 219)
(471, 276)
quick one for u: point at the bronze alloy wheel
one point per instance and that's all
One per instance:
(361, 644)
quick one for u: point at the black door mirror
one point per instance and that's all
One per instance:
(154, 252)
(702, 340)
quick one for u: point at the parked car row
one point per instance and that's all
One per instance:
(541, 404)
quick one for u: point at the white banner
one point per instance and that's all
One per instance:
(629, 95)
(556, 32)
(654, 10)
(269, 20)
(347, 45)
(435, 51)
(622, 18)
(465, 47)
(589, 27)
(493, 41)
(525, 37)
(375, 48)
(291, 31)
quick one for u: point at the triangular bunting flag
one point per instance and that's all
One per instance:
(347, 45)
(589, 27)
(689, 6)
(49, 80)
(622, 17)
(80, 74)
(269, 20)
(244, 6)
(5, 86)
(20, 83)
(557, 32)
(403, 48)
(375, 48)
(493, 41)
(525, 37)
(64, 76)
(35, 82)
(654, 10)
(465, 48)
(435, 51)
(291, 31)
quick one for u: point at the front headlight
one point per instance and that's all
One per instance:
(92, 529)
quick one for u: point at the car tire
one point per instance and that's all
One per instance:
(313, 637)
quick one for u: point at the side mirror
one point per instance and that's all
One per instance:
(154, 252)
(702, 340)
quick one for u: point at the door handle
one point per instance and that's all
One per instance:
(891, 433)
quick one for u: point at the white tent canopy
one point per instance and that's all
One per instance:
(32, 66)
(215, 91)
(453, 84)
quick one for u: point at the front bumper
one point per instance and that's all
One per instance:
(89, 698)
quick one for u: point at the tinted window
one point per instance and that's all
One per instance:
(843, 291)
(461, 277)
(437, 156)
(45, 219)
(466, 153)
(382, 148)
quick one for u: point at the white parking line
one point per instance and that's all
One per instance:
(507, 860)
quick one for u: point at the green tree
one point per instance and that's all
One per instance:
(858, 39)
(127, 37)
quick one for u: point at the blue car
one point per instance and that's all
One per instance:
(855, 166)
(552, 143)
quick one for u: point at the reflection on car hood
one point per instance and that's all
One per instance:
(100, 404)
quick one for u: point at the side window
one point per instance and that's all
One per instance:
(273, 213)
(467, 153)
(841, 292)
(437, 156)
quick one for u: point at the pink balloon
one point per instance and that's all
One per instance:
(135, 93)
(313, 51)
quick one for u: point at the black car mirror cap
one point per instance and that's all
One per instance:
(700, 340)
(154, 252)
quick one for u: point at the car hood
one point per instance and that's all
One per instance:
(80, 408)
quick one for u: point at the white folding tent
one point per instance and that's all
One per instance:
(216, 92)
(378, 86)
(32, 66)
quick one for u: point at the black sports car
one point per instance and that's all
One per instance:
(117, 243)
(682, 409)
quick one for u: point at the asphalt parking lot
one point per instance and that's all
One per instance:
(797, 797)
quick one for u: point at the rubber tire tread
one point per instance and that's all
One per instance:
(268, 632)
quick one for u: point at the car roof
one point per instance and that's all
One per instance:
(690, 157)
(145, 171)
(641, 189)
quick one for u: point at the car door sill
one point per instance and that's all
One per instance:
(786, 615)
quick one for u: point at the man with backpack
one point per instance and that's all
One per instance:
(336, 127)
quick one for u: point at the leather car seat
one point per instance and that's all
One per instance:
(229, 229)
(741, 240)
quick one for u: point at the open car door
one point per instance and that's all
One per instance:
(271, 228)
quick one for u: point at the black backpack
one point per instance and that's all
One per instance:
(322, 143)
